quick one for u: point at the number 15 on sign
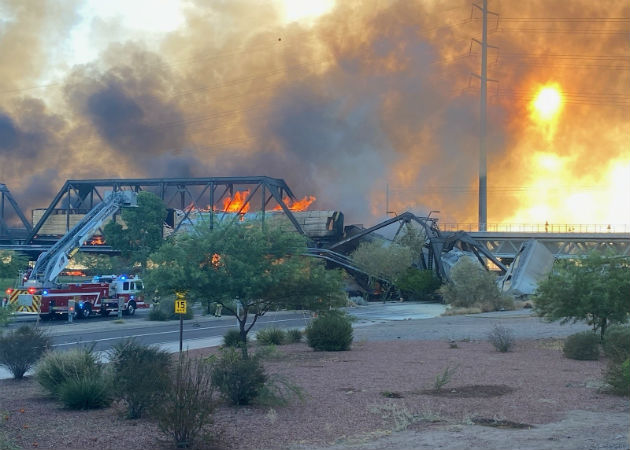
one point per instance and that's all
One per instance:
(180, 306)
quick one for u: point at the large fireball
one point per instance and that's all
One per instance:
(547, 103)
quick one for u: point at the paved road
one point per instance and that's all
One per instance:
(105, 332)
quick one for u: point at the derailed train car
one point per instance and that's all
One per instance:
(320, 226)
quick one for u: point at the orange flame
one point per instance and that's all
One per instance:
(96, 240)
(297, 205)
(216, 260)
(236, 204)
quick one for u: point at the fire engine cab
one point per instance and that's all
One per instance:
(98, 297)
(39, 292)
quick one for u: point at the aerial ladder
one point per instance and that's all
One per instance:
(50, 263)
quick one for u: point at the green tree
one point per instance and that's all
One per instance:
(595, 289)
(262, 269)
(385, 262)
(418, 283)
(142, 233)
(11, 263)
(414, 238)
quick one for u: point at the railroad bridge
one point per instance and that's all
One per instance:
(505, 244)
(193, 194)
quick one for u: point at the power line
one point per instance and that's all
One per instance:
(565, 19)
(467, 189)
(544, 30)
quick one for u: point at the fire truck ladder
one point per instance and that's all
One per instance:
(50, 264)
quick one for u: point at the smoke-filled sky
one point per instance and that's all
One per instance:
(339, 99)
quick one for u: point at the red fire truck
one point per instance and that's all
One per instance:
(101, 296)
(39, 292)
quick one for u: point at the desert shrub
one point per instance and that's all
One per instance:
(6, 313)
(238, 379)
(6, 442)
(21, 348)
(418, 284)
(278, 391)
(501, 338)
(55, 367)
(332, 331)
(617, 343)
(618, 377)
(502, 302)
(156, 314)
(294, 335)
(472, 285)
(165, 310)
(186, 406)
(461, 311)
(232, 338)
(442, 379)
(271, 336)
(86, 391)
(128, 359)
(582, 346)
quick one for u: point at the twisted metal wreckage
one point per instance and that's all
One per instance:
(193, 202)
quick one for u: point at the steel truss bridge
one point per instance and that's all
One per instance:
(189, 194)
(185, 194)
(504, 245)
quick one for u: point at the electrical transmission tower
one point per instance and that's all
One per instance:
(483, 77)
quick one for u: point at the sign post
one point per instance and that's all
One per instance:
(180, 308)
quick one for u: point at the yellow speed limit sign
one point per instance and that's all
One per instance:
(180, 304)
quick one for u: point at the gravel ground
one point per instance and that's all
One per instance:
(379, 396)
(522, 323)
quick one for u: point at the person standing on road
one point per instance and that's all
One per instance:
(217, 311)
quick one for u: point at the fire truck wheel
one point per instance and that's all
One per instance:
(131, 309)
(84, 312)
(104, 312)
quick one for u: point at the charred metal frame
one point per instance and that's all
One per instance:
(436, 243)
(80, 196)
(7, 233)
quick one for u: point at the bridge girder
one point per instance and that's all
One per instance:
(187, 194)
(561, 245)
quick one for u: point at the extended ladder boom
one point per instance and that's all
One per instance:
(50, 264)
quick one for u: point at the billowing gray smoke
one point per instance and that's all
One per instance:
(366, 96)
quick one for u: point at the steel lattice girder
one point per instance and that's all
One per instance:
(5, 196)
(82, 195)
(561, 245)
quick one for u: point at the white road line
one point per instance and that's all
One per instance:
(161, 333)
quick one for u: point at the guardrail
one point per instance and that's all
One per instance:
(537, 227)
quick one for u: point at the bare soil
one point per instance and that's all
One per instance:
(378, 395)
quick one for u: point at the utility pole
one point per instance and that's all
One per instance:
(483, 77)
